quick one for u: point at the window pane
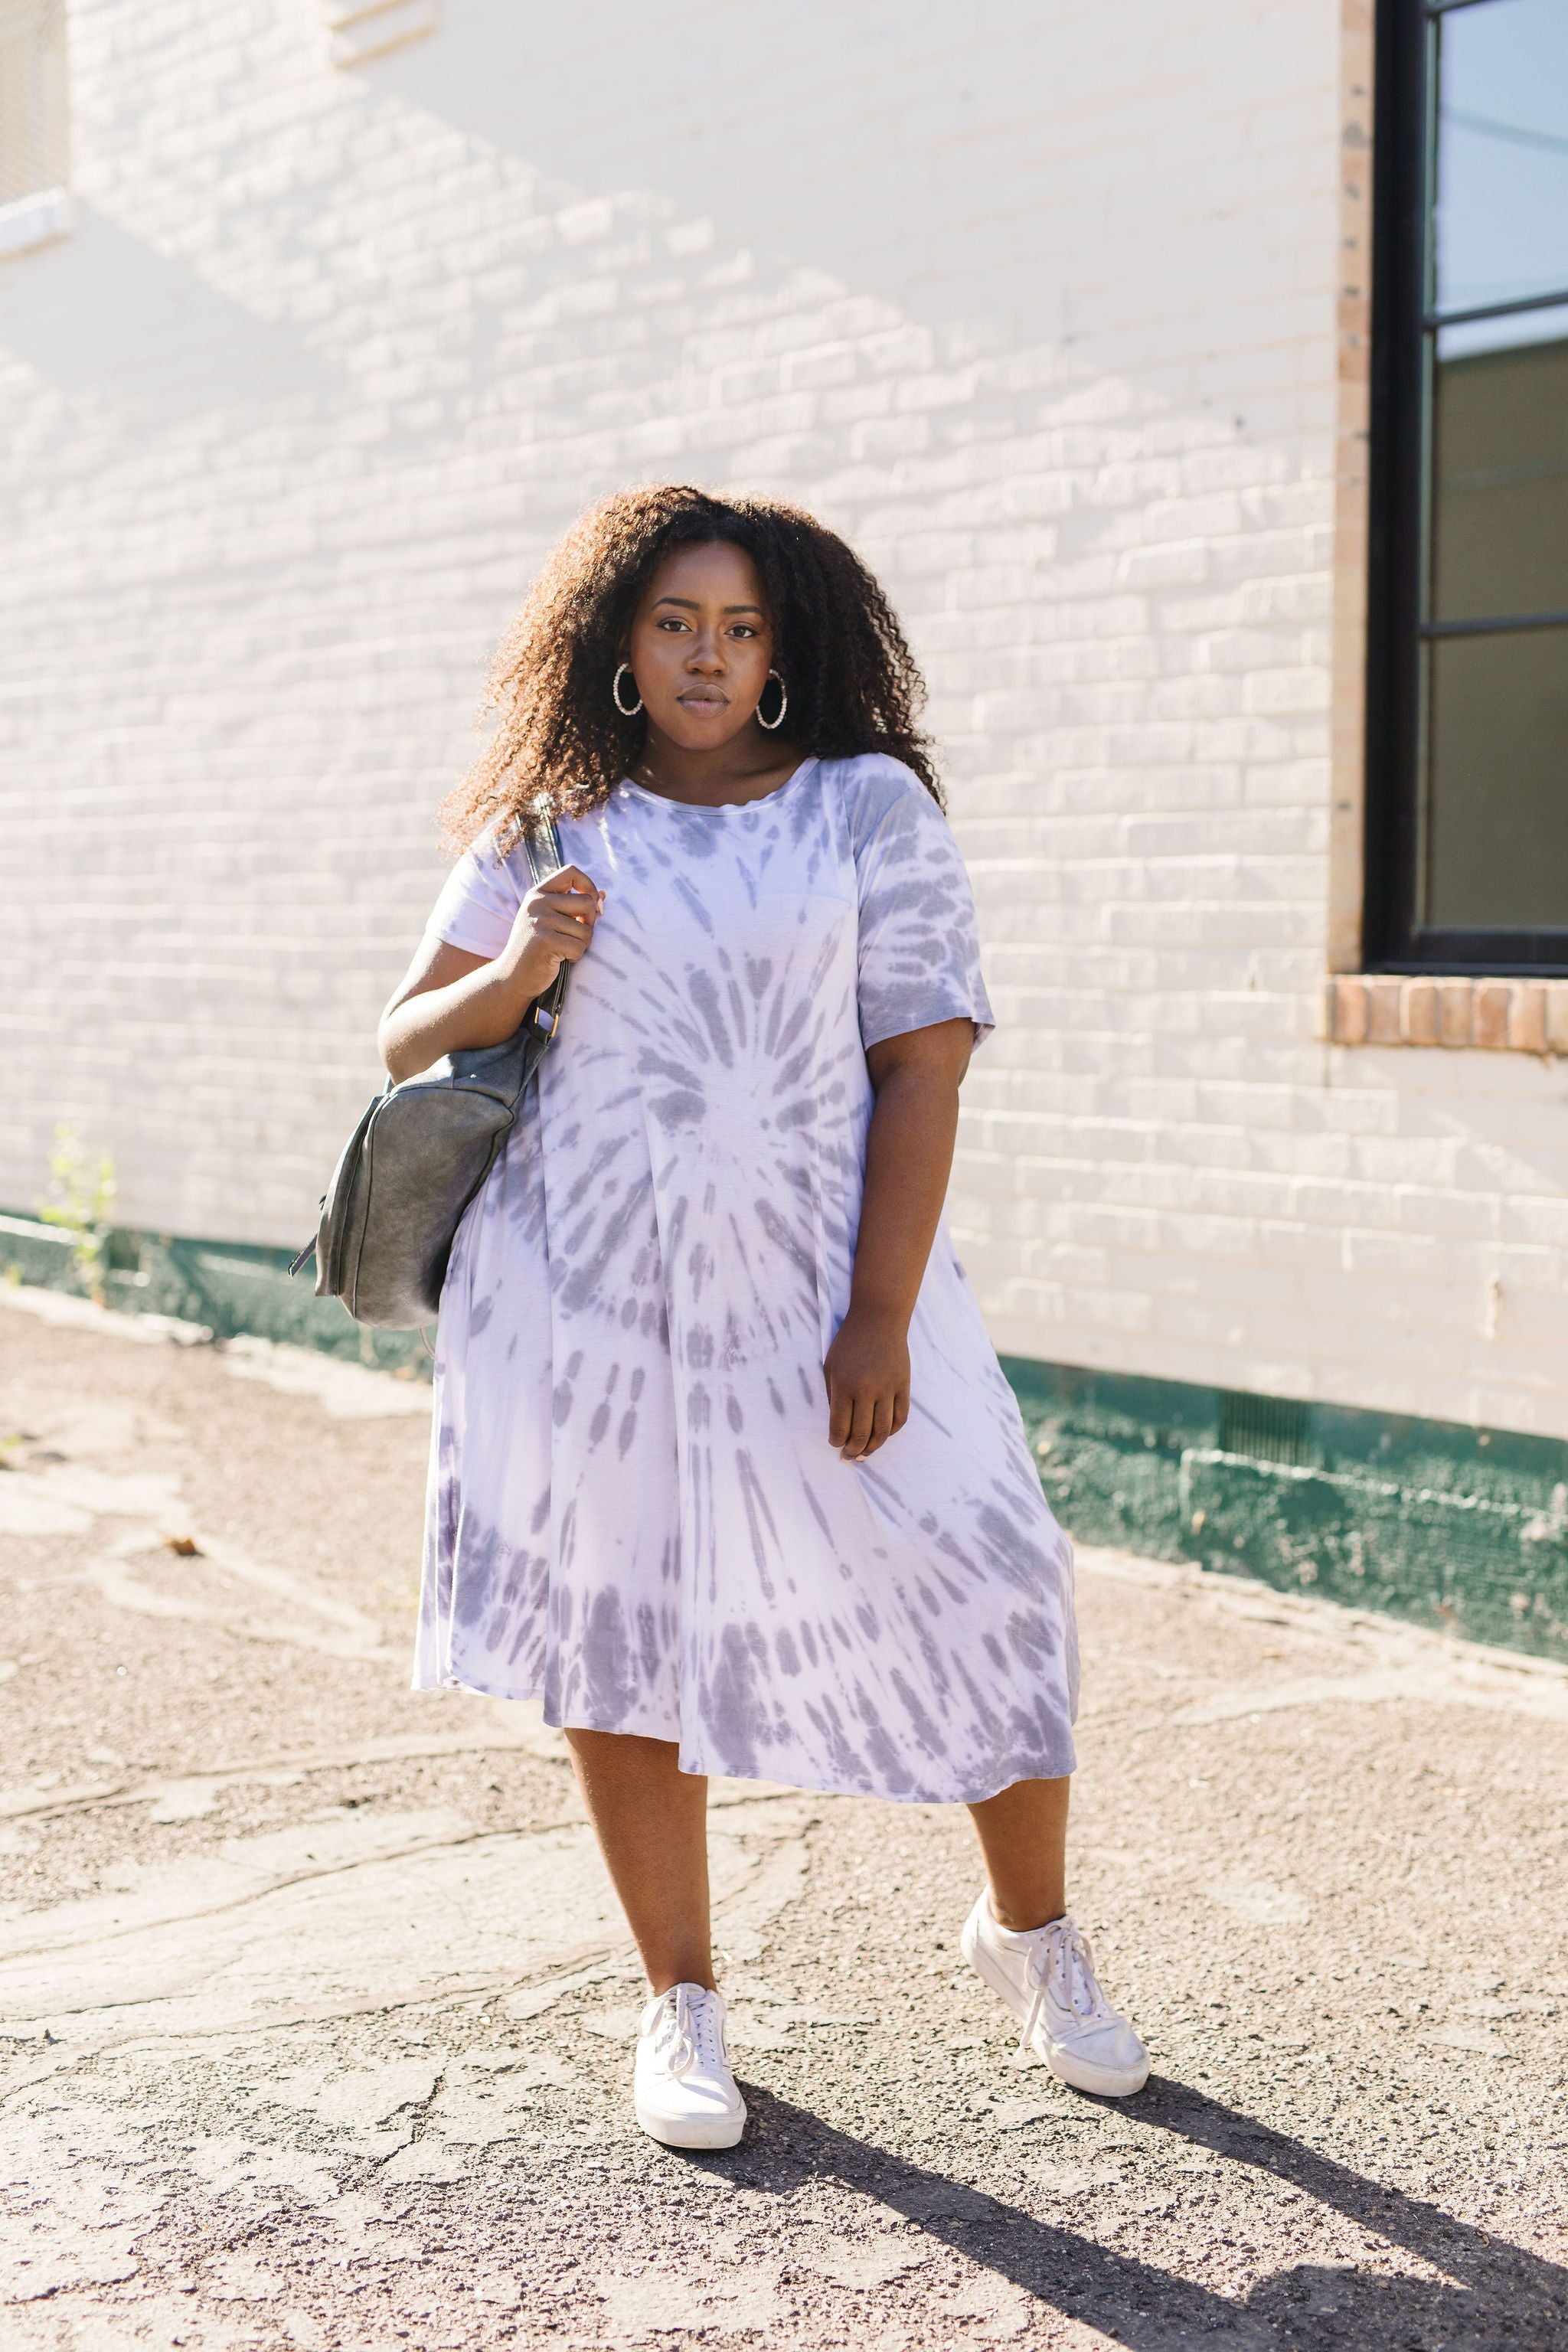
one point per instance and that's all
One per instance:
(1502, 227)
(32, 97)
(1500, 486)
(1496, 816)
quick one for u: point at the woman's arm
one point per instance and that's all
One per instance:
(909, 1156)
(450, 1001)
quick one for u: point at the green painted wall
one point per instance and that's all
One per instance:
(229, 1287)
(1456, 1527)
(1461, 1529)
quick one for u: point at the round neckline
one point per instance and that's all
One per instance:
(723, 808)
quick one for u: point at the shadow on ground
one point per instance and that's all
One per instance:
(1489, 2293)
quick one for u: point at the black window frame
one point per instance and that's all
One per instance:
(1404, 157)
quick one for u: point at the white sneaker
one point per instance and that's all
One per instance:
(1045, 1976)
(684, 2091)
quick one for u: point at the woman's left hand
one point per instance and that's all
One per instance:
(867, 1376)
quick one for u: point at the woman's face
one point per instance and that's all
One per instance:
(702, 645)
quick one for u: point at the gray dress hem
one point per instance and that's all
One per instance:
(1046, 1769)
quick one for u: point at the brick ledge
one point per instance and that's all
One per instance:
(37, 219)
(1501, 1016)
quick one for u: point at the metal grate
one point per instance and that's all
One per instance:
(34, 102)
(1266, 1429)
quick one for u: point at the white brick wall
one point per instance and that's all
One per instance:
(1036, 301)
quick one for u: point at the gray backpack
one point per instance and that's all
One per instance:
(419, 1155)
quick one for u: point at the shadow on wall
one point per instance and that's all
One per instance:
(968, 189)
(977, 171)
(146, 336)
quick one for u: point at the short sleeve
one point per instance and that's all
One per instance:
(478, 902)
(919, 943)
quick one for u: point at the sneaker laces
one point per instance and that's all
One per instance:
(1062, 1954)
(674, 2031)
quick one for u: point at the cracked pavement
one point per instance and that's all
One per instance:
(315, 2007)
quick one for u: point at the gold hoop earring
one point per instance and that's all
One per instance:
(616, 692)
(783, 704)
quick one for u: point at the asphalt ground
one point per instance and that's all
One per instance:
(315, 2011)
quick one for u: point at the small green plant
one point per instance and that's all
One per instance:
(80, 1198)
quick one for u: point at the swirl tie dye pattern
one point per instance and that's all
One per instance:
(634, 1512)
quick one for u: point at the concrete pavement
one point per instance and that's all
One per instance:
(314, 2005)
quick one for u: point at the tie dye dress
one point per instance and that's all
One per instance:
(634, 1512)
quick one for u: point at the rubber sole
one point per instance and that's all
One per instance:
(1099, 2081)
(719, 2131)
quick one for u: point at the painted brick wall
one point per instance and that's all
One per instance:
(1037, 302)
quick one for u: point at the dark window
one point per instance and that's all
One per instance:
(1468, 701)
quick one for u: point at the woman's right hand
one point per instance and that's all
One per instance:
(555, 925)
(452, 1001)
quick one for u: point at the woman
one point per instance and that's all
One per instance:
(725, 1469)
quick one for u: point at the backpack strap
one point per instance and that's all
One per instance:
(543, 843)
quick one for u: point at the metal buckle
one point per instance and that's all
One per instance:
(544, 1019)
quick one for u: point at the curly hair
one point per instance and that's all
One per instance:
(562, 746)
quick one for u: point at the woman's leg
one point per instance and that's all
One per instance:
(1024, 1835)
(651, 1821)
(1029, 1950)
